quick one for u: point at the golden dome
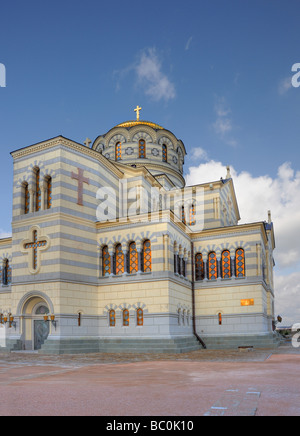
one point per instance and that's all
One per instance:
(133, 123)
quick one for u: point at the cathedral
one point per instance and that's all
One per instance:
(112, 252)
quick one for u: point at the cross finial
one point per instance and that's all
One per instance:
(137, 110)
(87, 142)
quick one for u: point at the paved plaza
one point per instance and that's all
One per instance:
(200, 383)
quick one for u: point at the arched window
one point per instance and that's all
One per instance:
(240, 262)
(125, 317)
(226, 264)
(26, 199)
(212, 266)
(37, 190)
(192, 215)
(49, 192)
(139, 317)
(133, 258)
(164, 153)
(118, 151)
(119, 256)
(6, 273)
(142, 148)
(147, 256)
(112, 318)
(199, 267)
(106, 267)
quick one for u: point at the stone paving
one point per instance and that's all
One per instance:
(200, 383)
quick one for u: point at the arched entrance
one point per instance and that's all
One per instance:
(35, 330)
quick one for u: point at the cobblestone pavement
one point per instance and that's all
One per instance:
(200, 383)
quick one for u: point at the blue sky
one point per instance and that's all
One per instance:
(216, 73)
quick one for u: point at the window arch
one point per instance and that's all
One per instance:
(26, 198)
(164, 153)
(48, 192)
(199, 267)
(139, 317)
(112, 318)
(106, 266)
(226, 264)
(37, 190)
(6, 273)
(133, 258)
(142, 148)
(118, 151)
(240, 262)
(125, 318)
(147, 256)
(119, 256)
(212, 266)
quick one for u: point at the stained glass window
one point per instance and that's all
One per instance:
(133, 258)
(139, 317)
(192, 215)
(240, 262)
(199, 267)
(119, 260)
(212, 266)
(6, 273)
(112, 318)
(125, 317)
(26, 199)
(49, 193)
(164, 153)
(226, 264)
(118, 151)
(106, 267)
(147, 257)
(38, 190)
(142, 148)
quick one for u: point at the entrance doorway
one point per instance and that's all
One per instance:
(41, 327)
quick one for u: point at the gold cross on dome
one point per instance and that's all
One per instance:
(137, 110)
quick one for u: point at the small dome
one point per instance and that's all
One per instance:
(141, 143)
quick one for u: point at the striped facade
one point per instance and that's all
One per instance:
(105, 242)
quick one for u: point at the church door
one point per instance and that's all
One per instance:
(41, 332)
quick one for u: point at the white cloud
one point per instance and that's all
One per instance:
(257, 195)
(199, 153)
(150, 76)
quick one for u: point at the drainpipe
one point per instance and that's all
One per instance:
(193, 298)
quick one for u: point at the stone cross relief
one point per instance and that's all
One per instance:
(81, 180)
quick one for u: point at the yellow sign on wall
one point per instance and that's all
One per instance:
(248, 302)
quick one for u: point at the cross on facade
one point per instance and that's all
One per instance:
(137, 110)
(81, 181)
(35, 247)
(87, 142)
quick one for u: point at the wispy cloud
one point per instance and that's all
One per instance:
(149, 72)
(284, 86)
(223, 125)
(148, 75)
(187, 45)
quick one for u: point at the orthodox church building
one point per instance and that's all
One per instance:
(112, 252)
